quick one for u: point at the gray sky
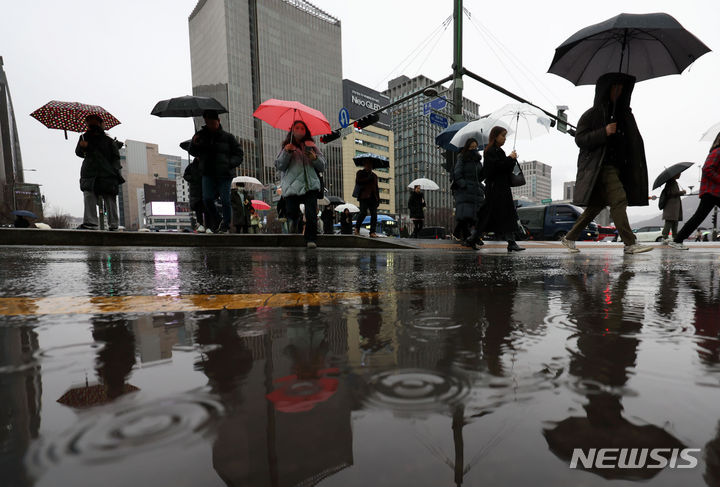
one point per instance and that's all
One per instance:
(129, 57)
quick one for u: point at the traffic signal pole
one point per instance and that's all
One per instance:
(457, 61)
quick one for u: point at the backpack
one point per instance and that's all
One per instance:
(663, 198)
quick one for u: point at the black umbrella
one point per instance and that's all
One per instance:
(25, 213)
(377, 161)
(670, 173)
(335, 200)
(185, 145)
(643, 45)
(187, 106)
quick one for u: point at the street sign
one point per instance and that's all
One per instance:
(436, 104)
(545, 202)
(344, 117)
(439, 120)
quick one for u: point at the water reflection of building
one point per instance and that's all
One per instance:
(157, 335)
(20, 393)
(258, 377)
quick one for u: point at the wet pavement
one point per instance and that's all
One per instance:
(284, 367)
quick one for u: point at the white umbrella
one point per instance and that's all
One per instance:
(477, 129)
(352, 208)
(425, 184)
(251, 183)
(528, 121)
(711, 133)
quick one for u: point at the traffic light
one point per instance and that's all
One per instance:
(368, 119)
(714, 218)
(334, 135)
(562, 118)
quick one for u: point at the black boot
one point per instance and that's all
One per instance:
(513, 247)
(474, 240)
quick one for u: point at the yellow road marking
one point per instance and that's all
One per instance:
(158, 304)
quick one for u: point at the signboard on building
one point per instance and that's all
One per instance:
(361, 100)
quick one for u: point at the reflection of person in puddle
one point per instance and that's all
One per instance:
(369, 324)
(605, 354)
(116, 358)
(706, 321)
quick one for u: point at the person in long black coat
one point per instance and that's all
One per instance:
(469, 192)
(346, 223)
(498, 215)
(416, 205)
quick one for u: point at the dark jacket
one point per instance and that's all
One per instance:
(219, 152)
(672, 210)
(346, 223)
(368, 183)
(240, 212)
(193, 175)
(625, 150)
(100, 170)
(416, 205)
(469, 189)
(328, 218)
(498, 214)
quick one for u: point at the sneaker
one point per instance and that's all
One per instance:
(637, 249)
(677, 245)
(311, 245)
(208, 230)
(666, 241)
(570, 245)
(200, 229)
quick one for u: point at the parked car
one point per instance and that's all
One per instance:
(433, 233)
(552, 222)
(648, 234)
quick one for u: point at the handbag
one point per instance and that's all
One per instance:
(517, 178)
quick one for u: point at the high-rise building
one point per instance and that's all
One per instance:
(538, 178)
(142, 164)
(375, 139)
(415, 125)
(245, 52)
(568, 190)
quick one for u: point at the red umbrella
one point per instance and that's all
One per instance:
(64, 115)
(297, 395)
(260, 205)
(282, 114)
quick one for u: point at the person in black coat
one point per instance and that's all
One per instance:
(469, 192)
(416, 205)
(368, 196)
(219, 154)
(328, 218)
(498, 215)
(346, 222)
(100, 176)
(193, 176)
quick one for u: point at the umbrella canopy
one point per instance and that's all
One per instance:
(186, 106)
(260, 205)
(443, 138)
(26, 213)
(670, 173)
(283, 114)
(64, 115)
(643, 45)
(477, 129)
(349, 206)
(711, 133)
(380, 218)
(253, 184)
(335, 200)
(378, 162)
(425, 184)
(86, 396)
(296, 395)
(185, 145)
(527, 121)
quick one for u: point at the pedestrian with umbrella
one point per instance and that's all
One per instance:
(219, 154)
(709, 195)
(669, 201)
(346, 223)
(301, 164)
(367, 190)
(469, 193)
(100, 175)
(498, 215)
(416, 205)
(240, 208)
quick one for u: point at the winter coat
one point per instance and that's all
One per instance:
(367, 181)
(346, 223)
(100, 170)
(710, 180)
(240, 212)
(469, 189)
(673, 205)
(328, 219)
(595, 145)
(219, 152)
(193, 175)
(299, 173)
(498, 215)
(417, 205)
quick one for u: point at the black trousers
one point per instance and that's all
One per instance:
(294, 215)
(417, 226)
(368, 205)
(707, 203)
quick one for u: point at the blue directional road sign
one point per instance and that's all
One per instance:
(436, 104)
(439, 120)
(344, 117)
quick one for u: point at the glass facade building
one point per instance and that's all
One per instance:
(244, 52)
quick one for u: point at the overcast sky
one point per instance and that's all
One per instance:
(129, 56)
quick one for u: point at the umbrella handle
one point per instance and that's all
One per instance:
(517, 125)
(66, 138)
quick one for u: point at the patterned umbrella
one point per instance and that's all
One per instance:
(86, 396)
(71, 116)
